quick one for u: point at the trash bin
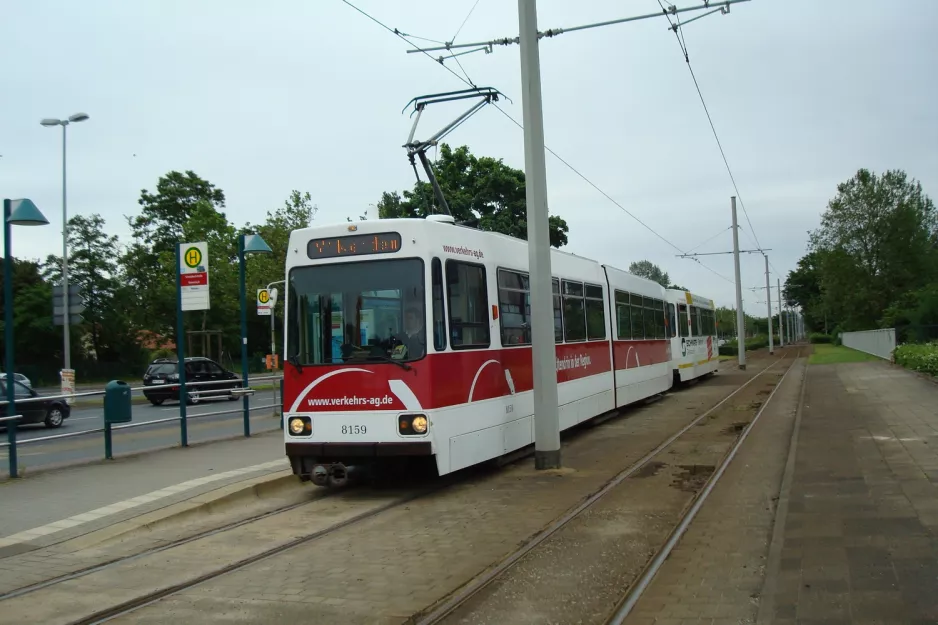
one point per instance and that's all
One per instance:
(117, 404)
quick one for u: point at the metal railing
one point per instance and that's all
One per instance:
(182, 390)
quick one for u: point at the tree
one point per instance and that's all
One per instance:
(803, 289)
(184, 208)
(38, 344)
(650, 271)
(877, 241)
(93, 266)
(297, 212)
(481, 191)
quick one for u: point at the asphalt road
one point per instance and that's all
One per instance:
(44, 454)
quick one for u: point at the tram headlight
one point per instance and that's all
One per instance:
(412, 424)
(300, 426)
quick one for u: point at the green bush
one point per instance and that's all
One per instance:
(756, 342)
(820, 337)
(918, 357)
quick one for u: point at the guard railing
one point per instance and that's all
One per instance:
(182, 418)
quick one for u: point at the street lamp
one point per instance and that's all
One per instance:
(247, 244)
(66, 318)
(15, 213)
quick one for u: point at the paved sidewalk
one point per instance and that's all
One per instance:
(860, 541)
(855, 535)
(152, 480)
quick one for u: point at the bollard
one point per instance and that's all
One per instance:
(108, 445)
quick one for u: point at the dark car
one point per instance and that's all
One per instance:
(161, 381)
(51, 412)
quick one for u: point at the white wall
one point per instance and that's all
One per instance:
(876, 342)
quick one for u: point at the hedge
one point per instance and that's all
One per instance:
(820, 337)
(921, 357)
(756, 342)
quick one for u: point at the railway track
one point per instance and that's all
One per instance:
(441, 611)
(437, 614)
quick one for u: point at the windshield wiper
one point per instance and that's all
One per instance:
(402, 365)
(295, 361)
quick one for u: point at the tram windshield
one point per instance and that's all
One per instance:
(367, 311)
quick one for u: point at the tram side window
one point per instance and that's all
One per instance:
(651, 317)
(558, 314)
(638, 326)
(662, 322)
(710, 325)
(439, 313)
(595, 313)
(467, 301)
(682, 319)
(694, 322)
(672, 324)
(574, 312)
(514, 307)
(623, 316)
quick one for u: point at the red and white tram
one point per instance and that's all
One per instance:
(411, 337)
(694, 346)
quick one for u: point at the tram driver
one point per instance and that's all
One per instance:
(414, 337)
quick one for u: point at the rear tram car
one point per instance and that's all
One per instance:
(412, 338)
(694, 345)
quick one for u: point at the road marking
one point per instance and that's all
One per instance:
(120, 506)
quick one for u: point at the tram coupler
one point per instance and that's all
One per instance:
(338, 474)
(335, 474)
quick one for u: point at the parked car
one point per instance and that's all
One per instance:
(19, 377)
(161, 381)
(51, 412)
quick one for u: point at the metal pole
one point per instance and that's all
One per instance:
(740, 318)
(768, 303)
(781, 326)
(544, 352)
(108, 441)
(8, 334)
(181, 354)
(67, 318)
(244, 336)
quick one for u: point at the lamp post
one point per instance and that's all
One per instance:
(15, 213)
(247, 244)
(66, 323)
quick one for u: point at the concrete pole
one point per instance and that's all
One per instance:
(544, 354)
(768, 303)
(781, 326)
(740, 318)
(67, 317)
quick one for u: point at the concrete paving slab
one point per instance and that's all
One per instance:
(93, 495)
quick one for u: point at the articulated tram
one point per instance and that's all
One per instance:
(412, 338)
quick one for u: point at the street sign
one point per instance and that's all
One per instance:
(193, 275)
(264, 302)
(76, 304)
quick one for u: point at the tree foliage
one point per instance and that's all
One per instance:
(650, 271)
(479, 190)
(876, 247)
(130, 292)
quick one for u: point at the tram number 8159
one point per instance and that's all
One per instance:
(354, 429)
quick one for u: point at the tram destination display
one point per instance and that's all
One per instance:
(354, 245)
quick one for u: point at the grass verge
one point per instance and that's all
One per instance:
(828, 354)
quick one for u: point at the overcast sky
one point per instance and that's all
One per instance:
(263, 98)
